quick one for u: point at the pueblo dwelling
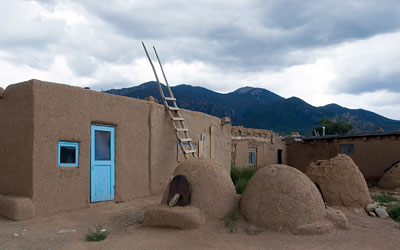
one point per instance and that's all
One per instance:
(64, 147)
(256, 147)
(372, 152)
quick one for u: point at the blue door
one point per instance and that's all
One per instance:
(102, 163)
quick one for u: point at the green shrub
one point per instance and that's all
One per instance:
(230, 220)
(240, 185)
(241, 177)
(235, 174)
(394, 212)
(97, 235)
(383, 199)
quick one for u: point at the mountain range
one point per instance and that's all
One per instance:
(261, 108)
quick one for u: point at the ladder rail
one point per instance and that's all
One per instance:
(171, 94)
(182, 140)
(162, 70)
(155, 73)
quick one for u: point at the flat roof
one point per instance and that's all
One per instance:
(326, 137)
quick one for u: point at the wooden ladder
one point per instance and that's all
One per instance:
(182, 133)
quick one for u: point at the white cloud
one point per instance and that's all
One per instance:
(322, 52)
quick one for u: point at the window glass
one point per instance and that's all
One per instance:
(252, 157)
(102, 145)
(347, 149)
(67, 154)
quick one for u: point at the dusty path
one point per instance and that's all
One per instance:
(66, 230)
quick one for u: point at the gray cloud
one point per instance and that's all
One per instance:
(253, 35)
(371, 81)
(233, 36)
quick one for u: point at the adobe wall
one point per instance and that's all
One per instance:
(163, 146)
(264, 142)
(372, 154)
(16, 139)
(145, 144)
(66, 113)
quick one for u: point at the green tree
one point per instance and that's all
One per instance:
(333, 127)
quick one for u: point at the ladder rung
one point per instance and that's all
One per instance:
(178, 118)
(185, 139)
(190, 151)
(173, 108)
(170, 98)
(182, 130)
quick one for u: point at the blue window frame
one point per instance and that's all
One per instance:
(252, 158)
(68, 153)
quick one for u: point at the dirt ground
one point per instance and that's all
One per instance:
(123, 222)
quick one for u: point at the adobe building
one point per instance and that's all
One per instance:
(64, 147)
(373, 152)
(256, 148)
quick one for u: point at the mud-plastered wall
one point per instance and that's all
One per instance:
(41, 114)
(65, 113)
(145, 144)
(163, 142)
(266, 150)
(300, 154)
(372, 154)
(16, 139)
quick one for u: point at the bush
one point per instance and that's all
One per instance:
(230, 220)
(241, 177)
(394, 212)
(97, 235)
(240, 185)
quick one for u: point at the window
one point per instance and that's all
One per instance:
(252, 158)
(68, 154)
(347, 149)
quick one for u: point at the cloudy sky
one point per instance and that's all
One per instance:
(322, 51)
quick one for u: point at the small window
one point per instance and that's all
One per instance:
(68, 154)
(347, 149)
(252, 158)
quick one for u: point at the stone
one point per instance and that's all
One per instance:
(381, 213)
(382, 207)
(372, 214)
(371, 207)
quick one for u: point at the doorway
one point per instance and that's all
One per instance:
(279, 156)
(102, 163)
